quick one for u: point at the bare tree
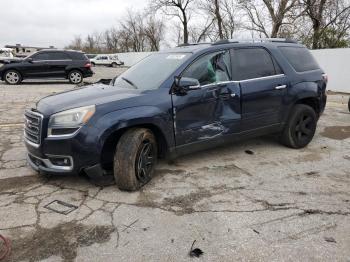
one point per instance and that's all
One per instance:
(324, 15)
(176, 8)
(203, 32)
(230, 18)
(76, 44)
(275, 10)
(154, 31)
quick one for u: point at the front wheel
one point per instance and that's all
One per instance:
(300, 128)
(75, 77)
(13, 77)
(114, 64)
(135, 159)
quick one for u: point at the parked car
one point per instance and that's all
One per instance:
(106, 60)
(176, 102)
(50, 63)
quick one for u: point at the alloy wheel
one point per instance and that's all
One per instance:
(145, 161)
(12, 77)
(304, 127)
(75, 77)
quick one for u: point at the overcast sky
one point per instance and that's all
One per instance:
(56, 22)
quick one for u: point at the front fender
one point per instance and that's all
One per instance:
(135, 116)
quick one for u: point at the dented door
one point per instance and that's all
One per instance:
(213, 110)
(207, 113)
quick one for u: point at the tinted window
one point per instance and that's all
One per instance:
(77, 55)
(57, 56)
(251, 63)
(152, 71)
(211, 68)
(40, 56)
(300, 58)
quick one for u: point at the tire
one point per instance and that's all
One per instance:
(349, 104)
(300, 128)
(12, 77)
(131, 170)
(75, 77)
(93, 64)
(114, 64)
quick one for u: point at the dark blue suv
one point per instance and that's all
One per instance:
(178, 101)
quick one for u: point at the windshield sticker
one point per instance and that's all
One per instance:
(176, 57)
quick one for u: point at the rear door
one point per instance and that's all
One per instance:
(263, 87)
(214, 109)
(58, 61)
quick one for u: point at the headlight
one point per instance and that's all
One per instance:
(68, 122)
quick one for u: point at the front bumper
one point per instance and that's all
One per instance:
(44, 165)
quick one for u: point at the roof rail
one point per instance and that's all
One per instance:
(256, 40)
(190, 44)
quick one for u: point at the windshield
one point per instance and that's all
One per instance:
(151, 72)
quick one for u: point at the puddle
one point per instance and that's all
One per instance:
(62, 240)
(336, 132)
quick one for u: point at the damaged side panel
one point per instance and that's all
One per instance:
(207, 113)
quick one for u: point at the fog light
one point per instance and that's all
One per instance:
(60, 161)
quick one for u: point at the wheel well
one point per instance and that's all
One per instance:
(111, 142)
(11, 69)
(73, 69)
(312, 102)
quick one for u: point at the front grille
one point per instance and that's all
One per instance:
(32, 126)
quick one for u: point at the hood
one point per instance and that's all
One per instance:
(91, 95)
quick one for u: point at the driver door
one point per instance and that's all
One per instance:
(37, 67)
(211, 111)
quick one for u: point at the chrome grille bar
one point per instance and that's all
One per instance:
(32, 127)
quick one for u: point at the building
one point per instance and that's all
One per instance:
(23, 51)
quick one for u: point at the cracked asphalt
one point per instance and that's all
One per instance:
(250, 201)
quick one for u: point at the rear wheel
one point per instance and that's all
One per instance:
(135, 159)
(300, 128)
(13, 77)
(93, 64)
(114, 64)
(75, 77)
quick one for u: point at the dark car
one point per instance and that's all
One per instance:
(51, 63)
(175, 102)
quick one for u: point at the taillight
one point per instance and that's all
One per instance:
(87, 65)
(325, 78)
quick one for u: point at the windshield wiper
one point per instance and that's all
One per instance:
(129, 82)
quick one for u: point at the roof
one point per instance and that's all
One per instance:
(197, 47)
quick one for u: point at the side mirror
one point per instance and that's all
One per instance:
(187, 83)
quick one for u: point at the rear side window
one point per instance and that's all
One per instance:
(300, 58)
(77, 56)
(251, 63)
(58, 56)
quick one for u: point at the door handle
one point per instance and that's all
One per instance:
(280, 87)
(227, 95)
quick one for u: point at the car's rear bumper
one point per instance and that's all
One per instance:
(88, 73)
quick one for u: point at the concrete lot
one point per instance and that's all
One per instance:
(267, 204)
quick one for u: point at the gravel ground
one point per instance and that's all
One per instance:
(250, 201)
